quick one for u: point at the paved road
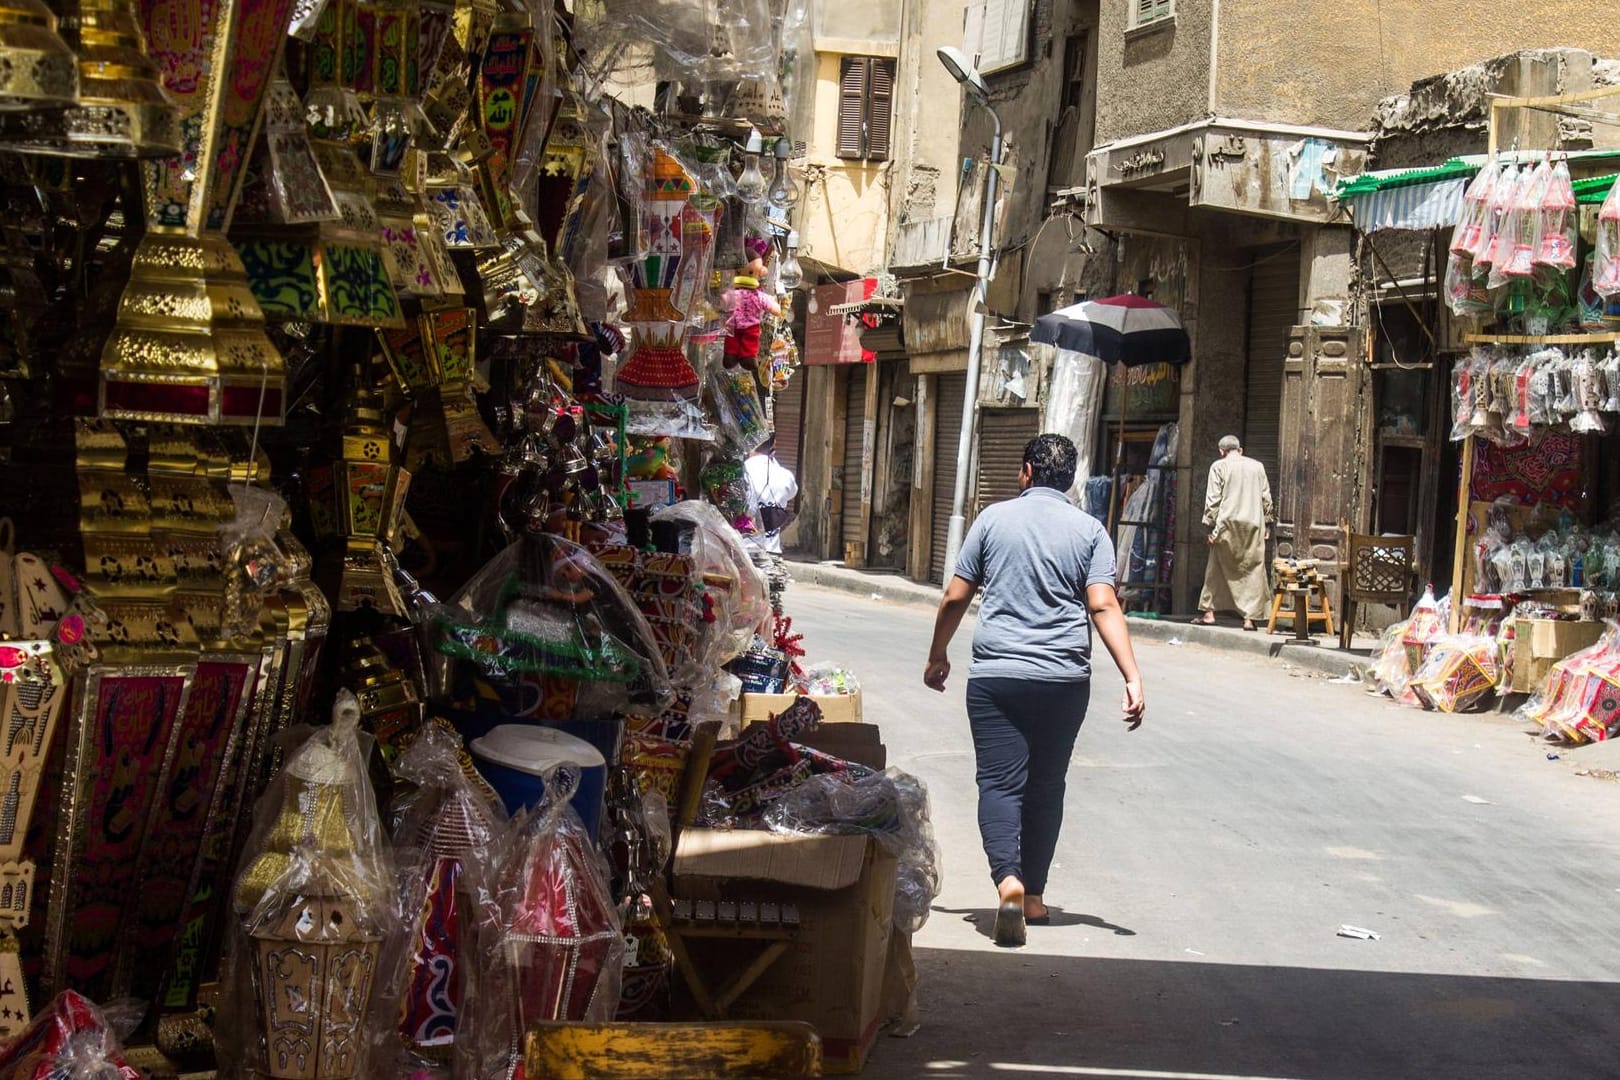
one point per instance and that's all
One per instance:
(1209, 859)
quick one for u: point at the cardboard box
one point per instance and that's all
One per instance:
(835, 708)
(860, 743)
(834, 975)
(1538, 644)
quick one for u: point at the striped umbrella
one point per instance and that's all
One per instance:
(1127, 330)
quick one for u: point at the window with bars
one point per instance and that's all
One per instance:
(865, 108)
(1149, 12)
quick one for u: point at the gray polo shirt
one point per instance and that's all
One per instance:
(1034, 557)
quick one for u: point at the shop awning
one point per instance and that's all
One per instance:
(1431, 198)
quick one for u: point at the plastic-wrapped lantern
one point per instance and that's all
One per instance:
(1606, 262)
(1557, 245)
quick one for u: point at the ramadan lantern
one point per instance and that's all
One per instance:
(658, 368)
(357, 502)
(312, 901)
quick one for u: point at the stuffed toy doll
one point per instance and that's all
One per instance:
(748, 303)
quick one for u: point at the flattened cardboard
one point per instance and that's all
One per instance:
(808, 862)
(835, 708)
(860, 743)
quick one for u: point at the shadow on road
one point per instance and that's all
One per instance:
(984, 921)
(1011, 1014)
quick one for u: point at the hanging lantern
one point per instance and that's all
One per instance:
(390, 709)
(396, 110)
(449, 335)
(658, 365)
(454, 207)
(362, 502)
(37, 68)
(418, 262)
(188, 344)
(332, 272)
(120, 109)
(332, 108)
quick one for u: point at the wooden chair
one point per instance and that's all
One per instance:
(1377, 570)
(750, 1051)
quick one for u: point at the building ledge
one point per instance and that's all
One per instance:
(1148, 29)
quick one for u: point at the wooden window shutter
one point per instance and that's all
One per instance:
(853, 80)
(880, 110)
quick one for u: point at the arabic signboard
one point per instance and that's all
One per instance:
(831, 337)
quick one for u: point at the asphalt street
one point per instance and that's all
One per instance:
(1209, 860)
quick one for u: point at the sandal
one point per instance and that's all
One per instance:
(1009, 932)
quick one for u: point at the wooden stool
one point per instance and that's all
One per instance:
(1298, 583)
(754, 1051)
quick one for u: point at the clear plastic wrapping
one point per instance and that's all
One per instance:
(1460, 673)
(445, 830)
(739, 599)
(694, 41)
(253, 562)
(891, 806)
(1580, 699)
(827, 678)
(69, 1039)
(1606, 255)
(546, 606)
(314, 901)
(551, 943)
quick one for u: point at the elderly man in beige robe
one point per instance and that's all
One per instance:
(1237, 509)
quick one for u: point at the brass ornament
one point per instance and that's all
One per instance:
(37, 68)
(189, 344)
(121, 109)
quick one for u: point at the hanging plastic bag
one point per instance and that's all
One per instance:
(1606, 257)
(1556, 247)
(314, 901)
(891, 807)
(1468, 238)
(1503, 194)
(1586, 378)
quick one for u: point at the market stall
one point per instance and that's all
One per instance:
(1535, 405)
(389, 668)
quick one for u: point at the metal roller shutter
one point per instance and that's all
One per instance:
(1273, 311)
(788, 415)
(949, 393)
(1003, 434)
(854, 453)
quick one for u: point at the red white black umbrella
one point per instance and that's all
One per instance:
(1127, 330)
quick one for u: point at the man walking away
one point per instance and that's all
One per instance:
(771, 491)
(1047, 571)
(1236, 510)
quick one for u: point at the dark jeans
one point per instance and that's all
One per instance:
(1023, 737)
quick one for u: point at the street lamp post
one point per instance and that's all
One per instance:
(963, 72)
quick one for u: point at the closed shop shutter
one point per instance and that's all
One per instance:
(1003, 434)
(949, 393)
(789, 417)
(1273, 311)
(854, 453)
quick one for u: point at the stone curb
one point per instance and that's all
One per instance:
(1320, 659)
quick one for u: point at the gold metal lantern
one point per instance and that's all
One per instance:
(358, 504)
(115, 103)
(188, 344)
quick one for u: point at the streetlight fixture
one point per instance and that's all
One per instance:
(963, 71)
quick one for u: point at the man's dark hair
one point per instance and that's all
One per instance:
(1052, 461)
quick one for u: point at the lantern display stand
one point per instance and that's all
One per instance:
(322, 402)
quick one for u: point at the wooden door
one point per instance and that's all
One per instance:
(1314, 490)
